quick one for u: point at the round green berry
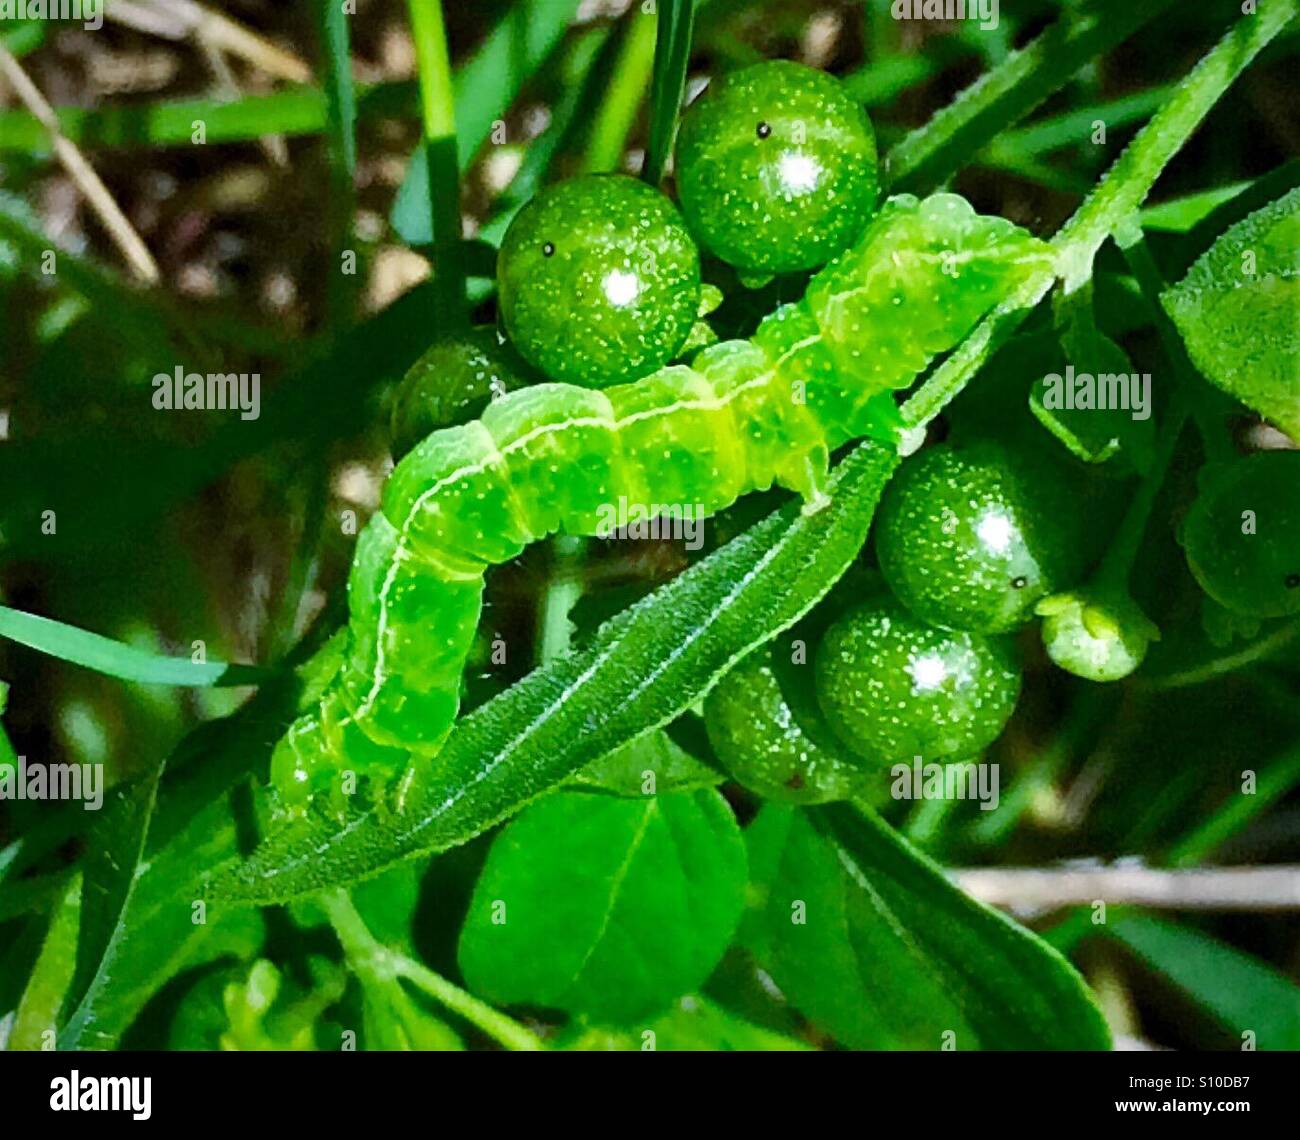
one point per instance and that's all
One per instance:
(776, 168)
(972, 538)
(893, 687)
(755, 734)
(599, 280)
(453, 382)
(1242, 535)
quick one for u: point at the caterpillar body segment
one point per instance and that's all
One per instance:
(922, 275)
(744, 415)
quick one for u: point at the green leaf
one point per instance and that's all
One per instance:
(484, 90)
(869, 939)
(651, 764)
(606, 906)
(115, 658)
(1242, 993)
(110, 873)
(1238, 310)
(642, 669)
(163, 932)
(696, 1023)
(672, 57)
(1094, 434)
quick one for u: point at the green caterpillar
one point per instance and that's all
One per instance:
(746, 414)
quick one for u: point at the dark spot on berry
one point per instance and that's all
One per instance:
(764, 130)
(795, 782)
(1293, 581)
(548, 250)
(1019, 582)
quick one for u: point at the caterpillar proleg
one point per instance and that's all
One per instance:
(742, 416)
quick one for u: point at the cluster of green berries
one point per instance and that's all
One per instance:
(970, 540)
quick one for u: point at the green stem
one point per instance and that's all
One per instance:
(438, 109)
(1118, 562)
(926, 823)
(1133, 244)
(1117, 565)
(379, 964)
(1218, 667)
(1128, 182)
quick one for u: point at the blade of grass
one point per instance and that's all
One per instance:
(1074, 127)
(673, 33)
(883, 80)
(116, 659)
(485, 88)
(933, 153)
(617, 113)
(577, 76)
(1276, 780)
(296, 113)
(438, 108)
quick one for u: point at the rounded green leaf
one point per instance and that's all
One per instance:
(1238, 309)
(606, 906)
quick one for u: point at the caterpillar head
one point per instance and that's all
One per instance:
(599, 281)
(776, 168)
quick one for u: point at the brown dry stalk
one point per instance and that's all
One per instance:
(177, 19)
(82, 173)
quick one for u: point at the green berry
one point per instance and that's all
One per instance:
(1096, 637)
(1242, 535)
(599, 280)
(453, 382)
(893, 687)
(756, 736)
(973, 538)
(776, 168)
